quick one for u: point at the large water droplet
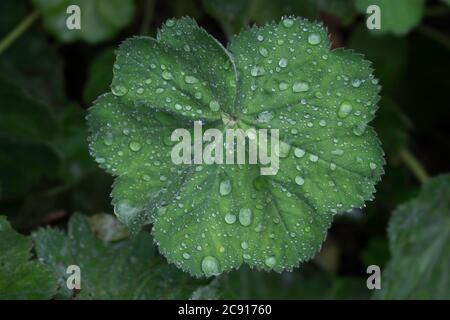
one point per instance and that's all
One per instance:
(245, 216)
(300, 86)
(257, 71)
(210, 266)
(359, 129)
(283, 62)
(299, 180)
(225, 187)
(244, 245)
(283, 86)
(299, 153)
(214, 105)
(135, 146)
(288, 22)
(119, 90)
(190, 79)
(263, 52)
(270, 261)
(314, 39)
(166, 75)
(230, 218)
(344, 109)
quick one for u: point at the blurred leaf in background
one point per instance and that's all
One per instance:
(128, 269)
(21, 278)
(101, 19)
(419, 240)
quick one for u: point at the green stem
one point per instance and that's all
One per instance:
(18, 31)
(414, 165)
(435, 35)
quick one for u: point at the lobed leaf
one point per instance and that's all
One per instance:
(128, 269)
(208, 219)
(20, 277)
(100, 19)
(419, 241)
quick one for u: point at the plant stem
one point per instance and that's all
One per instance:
(148, 16)
(18, 31)
(414, 165)
(435, 35)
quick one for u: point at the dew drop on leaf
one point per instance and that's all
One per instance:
(245, 217)
(210, 266)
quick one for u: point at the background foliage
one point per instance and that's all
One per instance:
(49, 77)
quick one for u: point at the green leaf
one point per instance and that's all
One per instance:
(398, 16)
(419, 240)
(100, 19)
(20, 277)
(125, 270)
(343, 9)
(100, 75)
(25, 127)
(233, 15)
(210, 219)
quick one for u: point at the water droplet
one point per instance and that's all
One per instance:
(270, 261)
(356, 83)
(186, 255)
(283, 86)
(283, 62)
(260, 38)
(135, 146)
(322, 123)
(214, 105)
(284, 149)
(225, 187)
(190, 79)
(245, 216)
(140, 90)
(263, 52)
(313, 158)
(372, 166)
(299, 180)
(230, 218)
(314, 39)
(146, 177)
(359, 129)
(166, 75)
(332, 166)
(344, 109)
(170, 23)
(300, 86)
(187, 48)
(244, 245)
(288, 22)
(119, 90)
(299, 153)
(257, 71)
(210, 266)
(108, 140)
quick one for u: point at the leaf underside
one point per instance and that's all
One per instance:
(208, 219)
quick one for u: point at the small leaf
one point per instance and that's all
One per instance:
(213, 218)
(21, 278)
(26, 126)
(419, 239)
(398, 16)
(125, 270)
(236, 14)
(100, 19)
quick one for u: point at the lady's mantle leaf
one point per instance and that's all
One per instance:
(100, 19)
(210, 219)
(419, 236)
(21, 278)
(125, 270)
